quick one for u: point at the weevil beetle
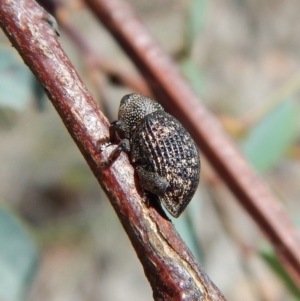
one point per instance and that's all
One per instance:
(163, 153)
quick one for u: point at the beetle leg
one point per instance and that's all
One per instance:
(123, 146)
(151, 181)
(118, 130)
(51, 21)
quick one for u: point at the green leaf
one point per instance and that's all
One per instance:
(15, 81)
(297, 222)
(196, 19)
(193, 75)
(39, 94)
(268, 140)
(269, 257)
(186, 228)
(18, 258)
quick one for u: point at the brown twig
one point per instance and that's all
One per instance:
(98, 67)
(169, 266)
(128, 78)
(95, 61)
(178, 98)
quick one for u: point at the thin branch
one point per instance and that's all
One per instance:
(169, 266)
(179, 99)
(99, 68)
(95, 60)
(128, 78)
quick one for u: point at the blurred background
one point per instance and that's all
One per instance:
(59, 236)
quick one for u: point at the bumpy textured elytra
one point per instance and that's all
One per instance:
(164, 155)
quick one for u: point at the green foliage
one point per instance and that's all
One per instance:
(196, 19)
(15, 81)
(270, 258)
(268, 140)
(193, 75)
(18, 258)
(39, 94)
(17, 84)
(186, 226)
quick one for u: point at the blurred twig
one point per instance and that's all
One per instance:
(107, 65)
(98, 67)
(168, 264)
(95, 61)
(178, 98)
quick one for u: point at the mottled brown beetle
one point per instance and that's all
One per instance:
(163, 153)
